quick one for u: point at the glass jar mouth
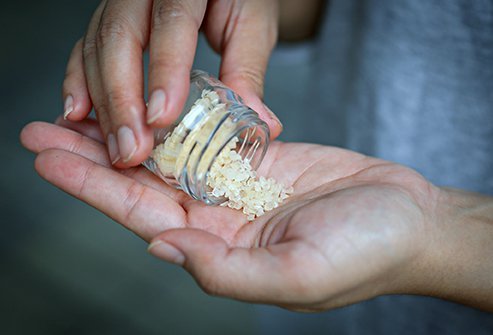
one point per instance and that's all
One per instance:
(253, 140)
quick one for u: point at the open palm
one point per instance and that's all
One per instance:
(346, 234)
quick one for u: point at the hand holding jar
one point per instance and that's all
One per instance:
(105, 70)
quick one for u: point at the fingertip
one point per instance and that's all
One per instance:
(275, 125)
(164, 120)
(254, 102)
(140, 155)
(167, 252)
(273, 122)
(76, 101)
(133, 147)
(76, 109)
(250, 96)
(168, 97)
(199, 252)
(113, 150)
(44, 162)
(38, 163)
(169, 115)
(29, 134)
(61, 168)
(68, 106)
(156, 107)
(195, 244)
(25, 135)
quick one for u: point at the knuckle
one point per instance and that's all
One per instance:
(84, 181)
(89, 47)
(76, 144)
(73, 77)
(253, 76)
(111, 30)
(209, 285)
(101, 107)
(119, 102)
(133, 197)
(165, 11)
(167, 64)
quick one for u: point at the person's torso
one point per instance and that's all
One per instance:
(410, 82)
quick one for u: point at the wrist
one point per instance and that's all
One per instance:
(457, 264)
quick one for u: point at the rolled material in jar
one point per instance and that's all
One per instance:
(188, 138)
(230, 176)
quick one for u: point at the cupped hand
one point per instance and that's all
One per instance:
(354, 228)
(105, 69)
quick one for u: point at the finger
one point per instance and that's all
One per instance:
(77, 103)
(87, 127)
(120, 39)
(40, 136)
(245, 35)
(250, 274)
(122, 36)
(141, 209)
(94, 82)
(173, 39)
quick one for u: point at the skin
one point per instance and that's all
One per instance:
(356, 227)
(105, 69)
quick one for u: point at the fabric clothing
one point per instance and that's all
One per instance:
(410, 82)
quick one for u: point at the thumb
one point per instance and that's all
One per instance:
(245, 40)
(249, 85)
(249, 274)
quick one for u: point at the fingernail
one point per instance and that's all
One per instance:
(273, 116)
(113, 149)
(68, 106)
(126, 143)
(156, 106)
(166, 251)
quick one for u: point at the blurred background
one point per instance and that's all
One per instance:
(66, 268)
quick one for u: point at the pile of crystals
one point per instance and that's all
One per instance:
(233, 178)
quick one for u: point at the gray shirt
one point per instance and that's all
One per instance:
(410, 82)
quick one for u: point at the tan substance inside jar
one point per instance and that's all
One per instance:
(230, 175)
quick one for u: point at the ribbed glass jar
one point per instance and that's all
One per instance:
(213, 116)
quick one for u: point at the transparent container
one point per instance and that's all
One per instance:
(184, 152)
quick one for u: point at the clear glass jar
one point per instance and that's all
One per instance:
(184, 152)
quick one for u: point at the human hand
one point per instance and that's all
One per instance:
(351, 230)
(105, 69)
